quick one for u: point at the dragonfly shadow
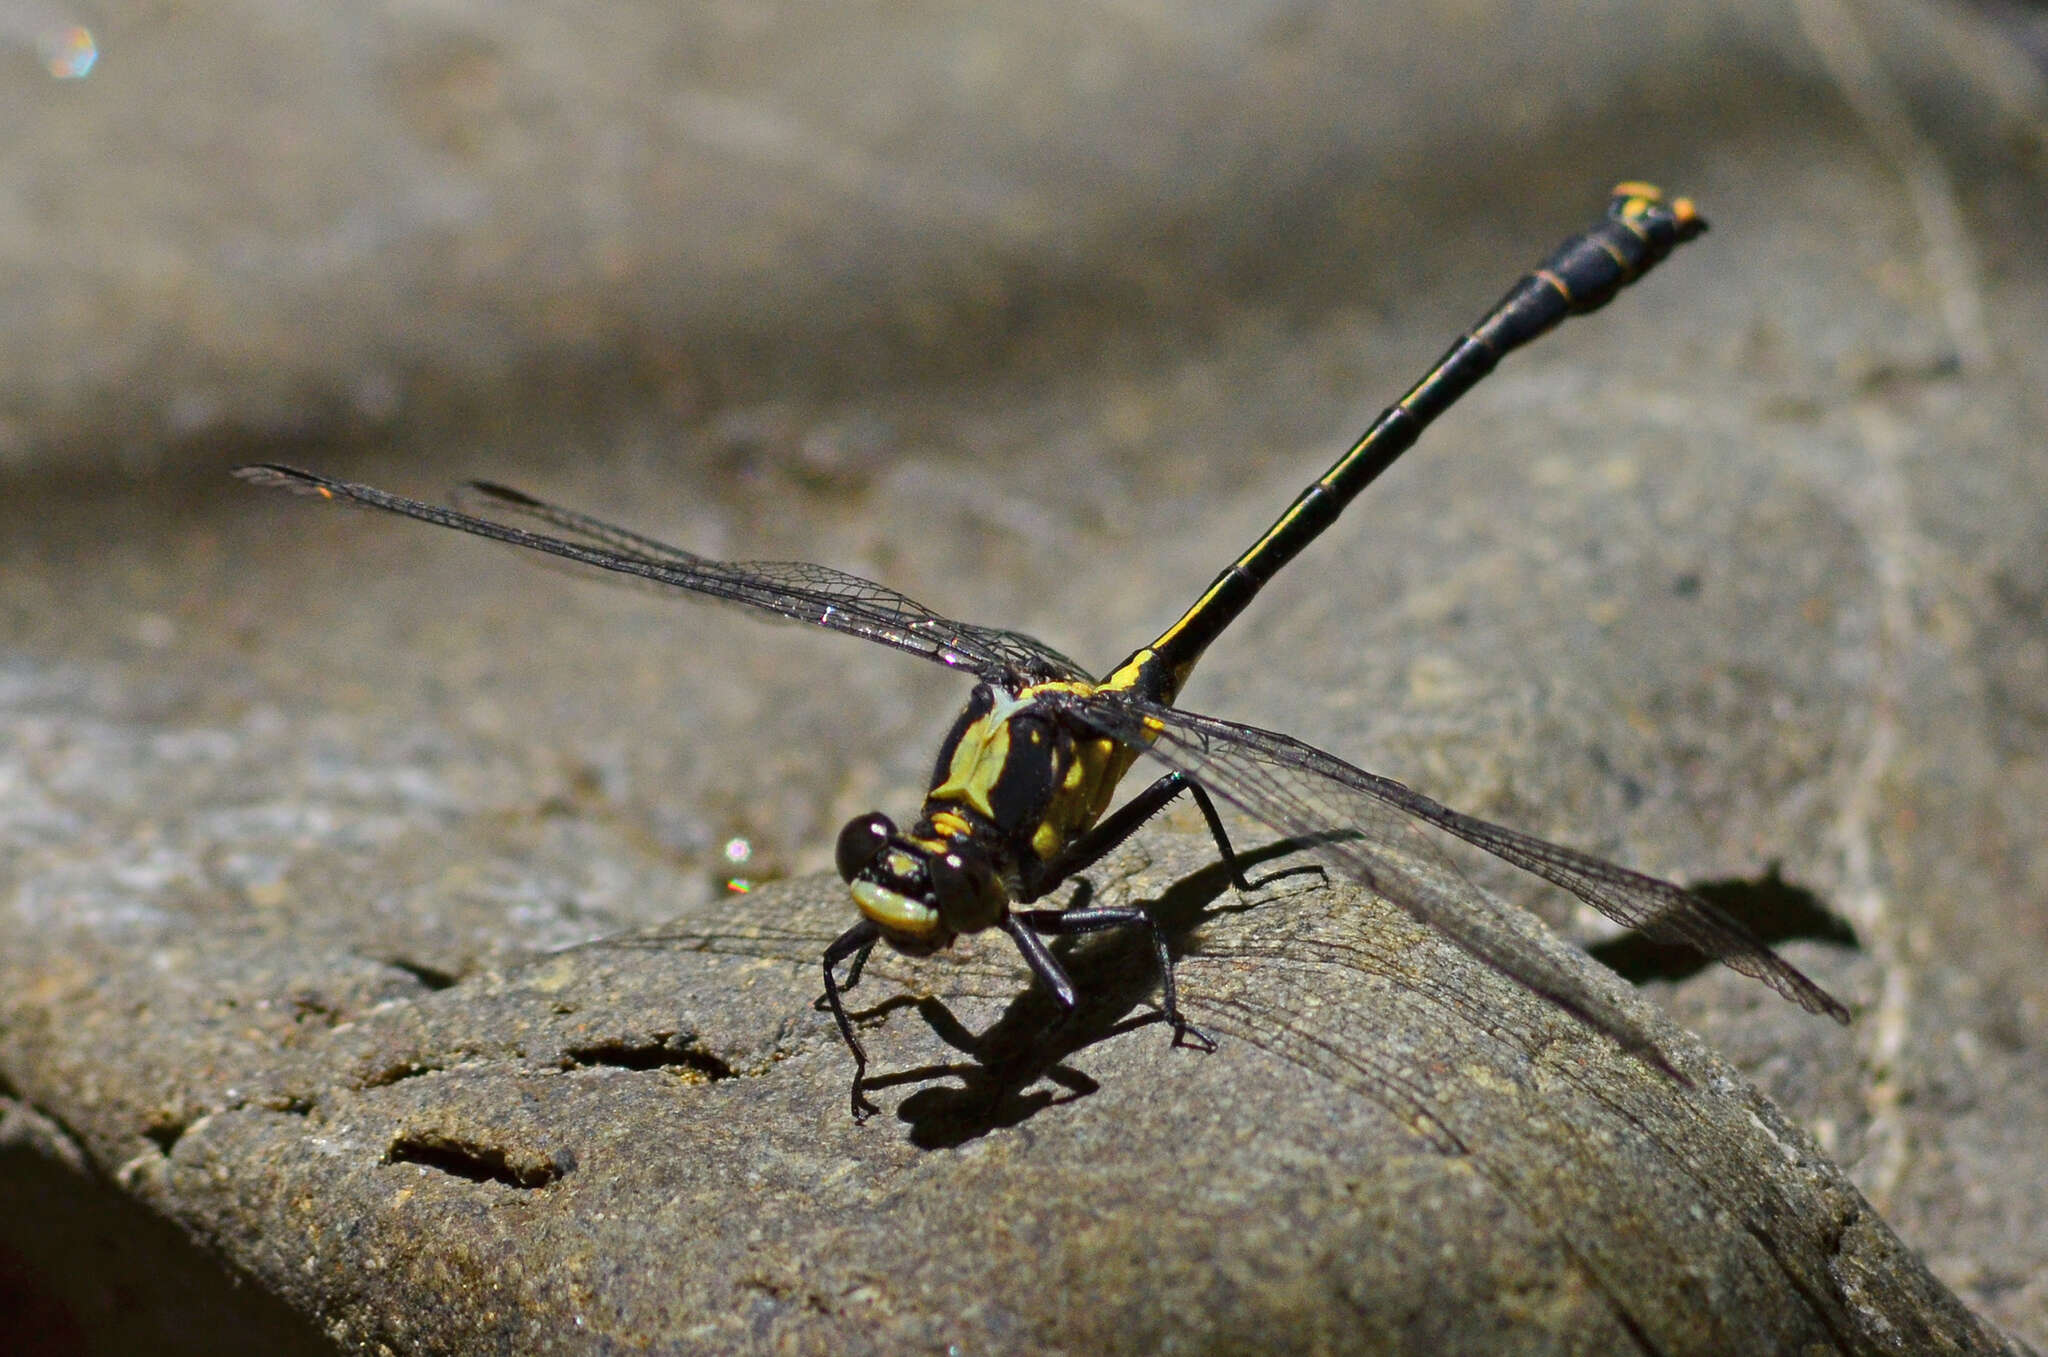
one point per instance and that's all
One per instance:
(1001, 1083)
(1774, 909)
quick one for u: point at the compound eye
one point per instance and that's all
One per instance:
(966, 891)
(861, 842)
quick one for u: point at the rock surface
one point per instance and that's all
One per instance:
(363, 911)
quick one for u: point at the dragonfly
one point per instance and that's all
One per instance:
(1022, 787)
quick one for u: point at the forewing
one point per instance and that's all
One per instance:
(795, 590)
(1020, 655)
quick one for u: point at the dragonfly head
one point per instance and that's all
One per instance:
(920, 895)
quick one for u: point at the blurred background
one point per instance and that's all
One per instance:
(1039, 314)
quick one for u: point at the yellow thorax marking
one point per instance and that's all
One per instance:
(980, 756)
(984, 748)
(947, 825)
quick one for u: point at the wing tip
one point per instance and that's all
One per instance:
(1764, 963)
(1827, 1005)
(277, 476)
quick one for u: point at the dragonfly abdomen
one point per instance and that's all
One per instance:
(1581, 275)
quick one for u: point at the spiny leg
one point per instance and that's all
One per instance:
(856, 942)
(1106, 836)
(1091, 848)
(1040, 959)
(1032, 922)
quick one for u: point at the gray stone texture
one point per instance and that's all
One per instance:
(367, 972)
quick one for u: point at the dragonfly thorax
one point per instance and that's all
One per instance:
(1014, 782)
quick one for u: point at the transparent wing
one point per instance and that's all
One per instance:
(1299, 790)
(796, 590)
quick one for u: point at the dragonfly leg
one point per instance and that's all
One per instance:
(1208, 809)
(1031, 922)
(1098, 842)
(860, 964)
(856, 942)
(1024, 926)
